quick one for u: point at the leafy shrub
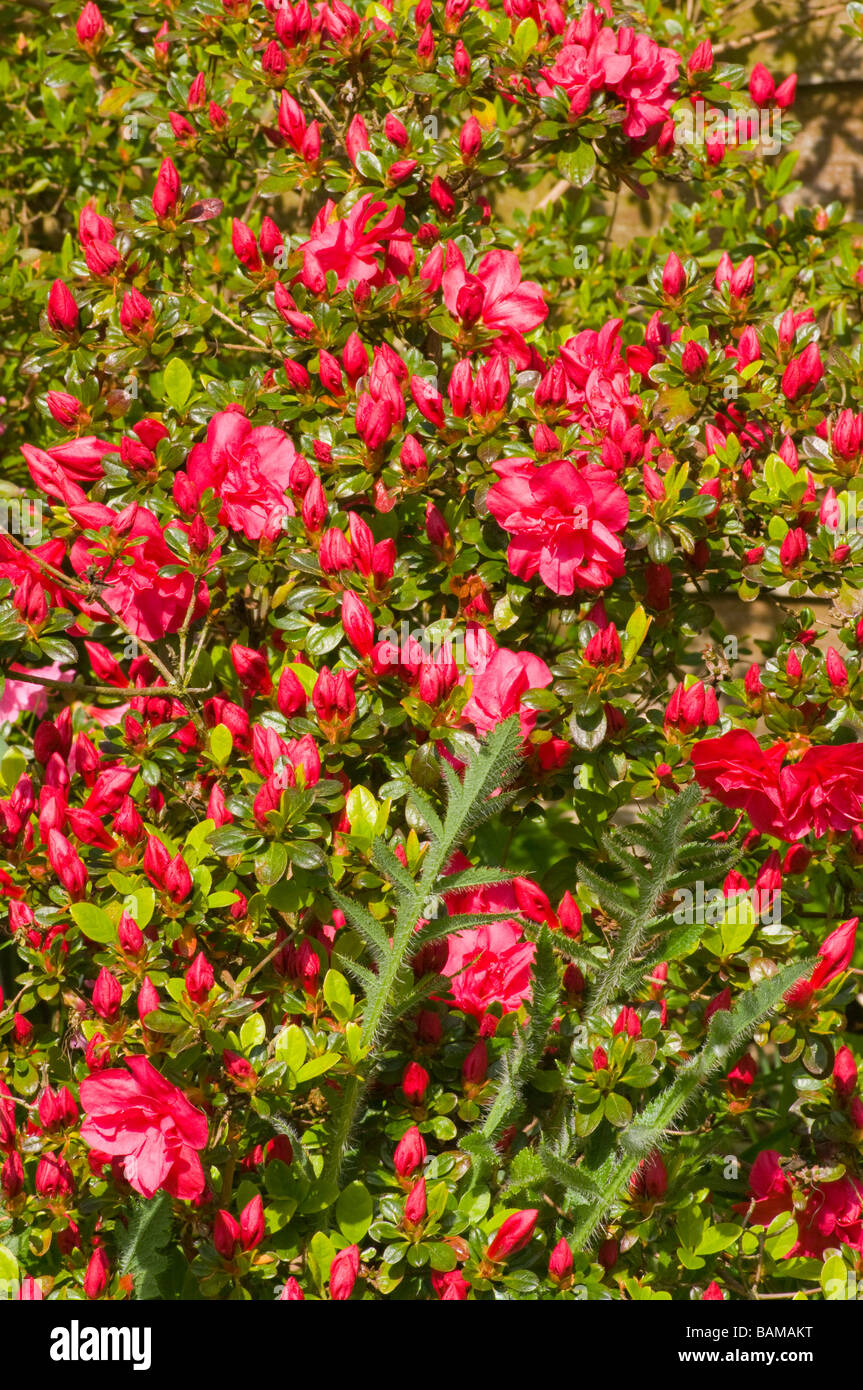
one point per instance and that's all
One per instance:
(424, 878)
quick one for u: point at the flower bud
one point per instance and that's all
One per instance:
(470, 139)
(343, 1273)
(97, 1274)
(844, 1074)
(226, 1234)
(837, 671)
(560, 1262)
(107, 995)
(475, 1066)
(513, 1235)
(166, 194)
(199, 979)
(136, 313)
(415, 1083)
(673, 277)
(252, 1225)
(410, 1152)
(650, 1179)
(148, 999)
(441, 195)
(90, 28)
(416, 1206)
(62, 312)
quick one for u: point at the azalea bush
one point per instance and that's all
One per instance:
(432, 803)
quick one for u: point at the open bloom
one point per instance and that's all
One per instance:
(498, 964)
(821, 792)
(352, 245)
(495, 296)
(150, 603)
(629, 66)
(249, 468)
(828, 1214)
(564, 521)
(139, 1116)
(499, 686)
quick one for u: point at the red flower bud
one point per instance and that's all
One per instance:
(410, 1152)
(90, 27)
(343, 1273)
(12, 1175)
(252, 1226)
(97, 1274)
(253, 669)
(513, 1235)
(628, 1022)
(442, 196)
(148, 999)
(560, 1262)
(475, 1065)
(693, 360)
(701, 59)
(416, 1206)
(62, 311)
(107, 995)
(67, 864)
(569, 915)
(650, 1178)
(742, 1075)
(166, 194)
(793, 549)
(415, 1082)
(461, 63)
(470, 139)
(199, 979)
(136, 313)
(689, 709)
(245, 246)
(844, 1073)
(226, 1234)
(837, 671)
(673, 277)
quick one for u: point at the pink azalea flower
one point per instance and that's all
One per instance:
(22, 696)
(832, 1215)
(496, 296)
(821, 792)
(151, 604)
(565, 522)
(139, 1116)
(630, 67)
(351, 245)
(249, 469)
(497, 690)
(489, 965)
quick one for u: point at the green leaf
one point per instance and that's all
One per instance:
(271, 865)
(253, 1032)
(221, 743)
(577, 165)
(317, 1066)
(338, 995)
(354, 1211)
(94, 923)
(177, 383)
(834, 1279)
(291, 1047)
(525, 39)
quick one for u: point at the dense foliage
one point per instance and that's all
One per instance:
(422, 877)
